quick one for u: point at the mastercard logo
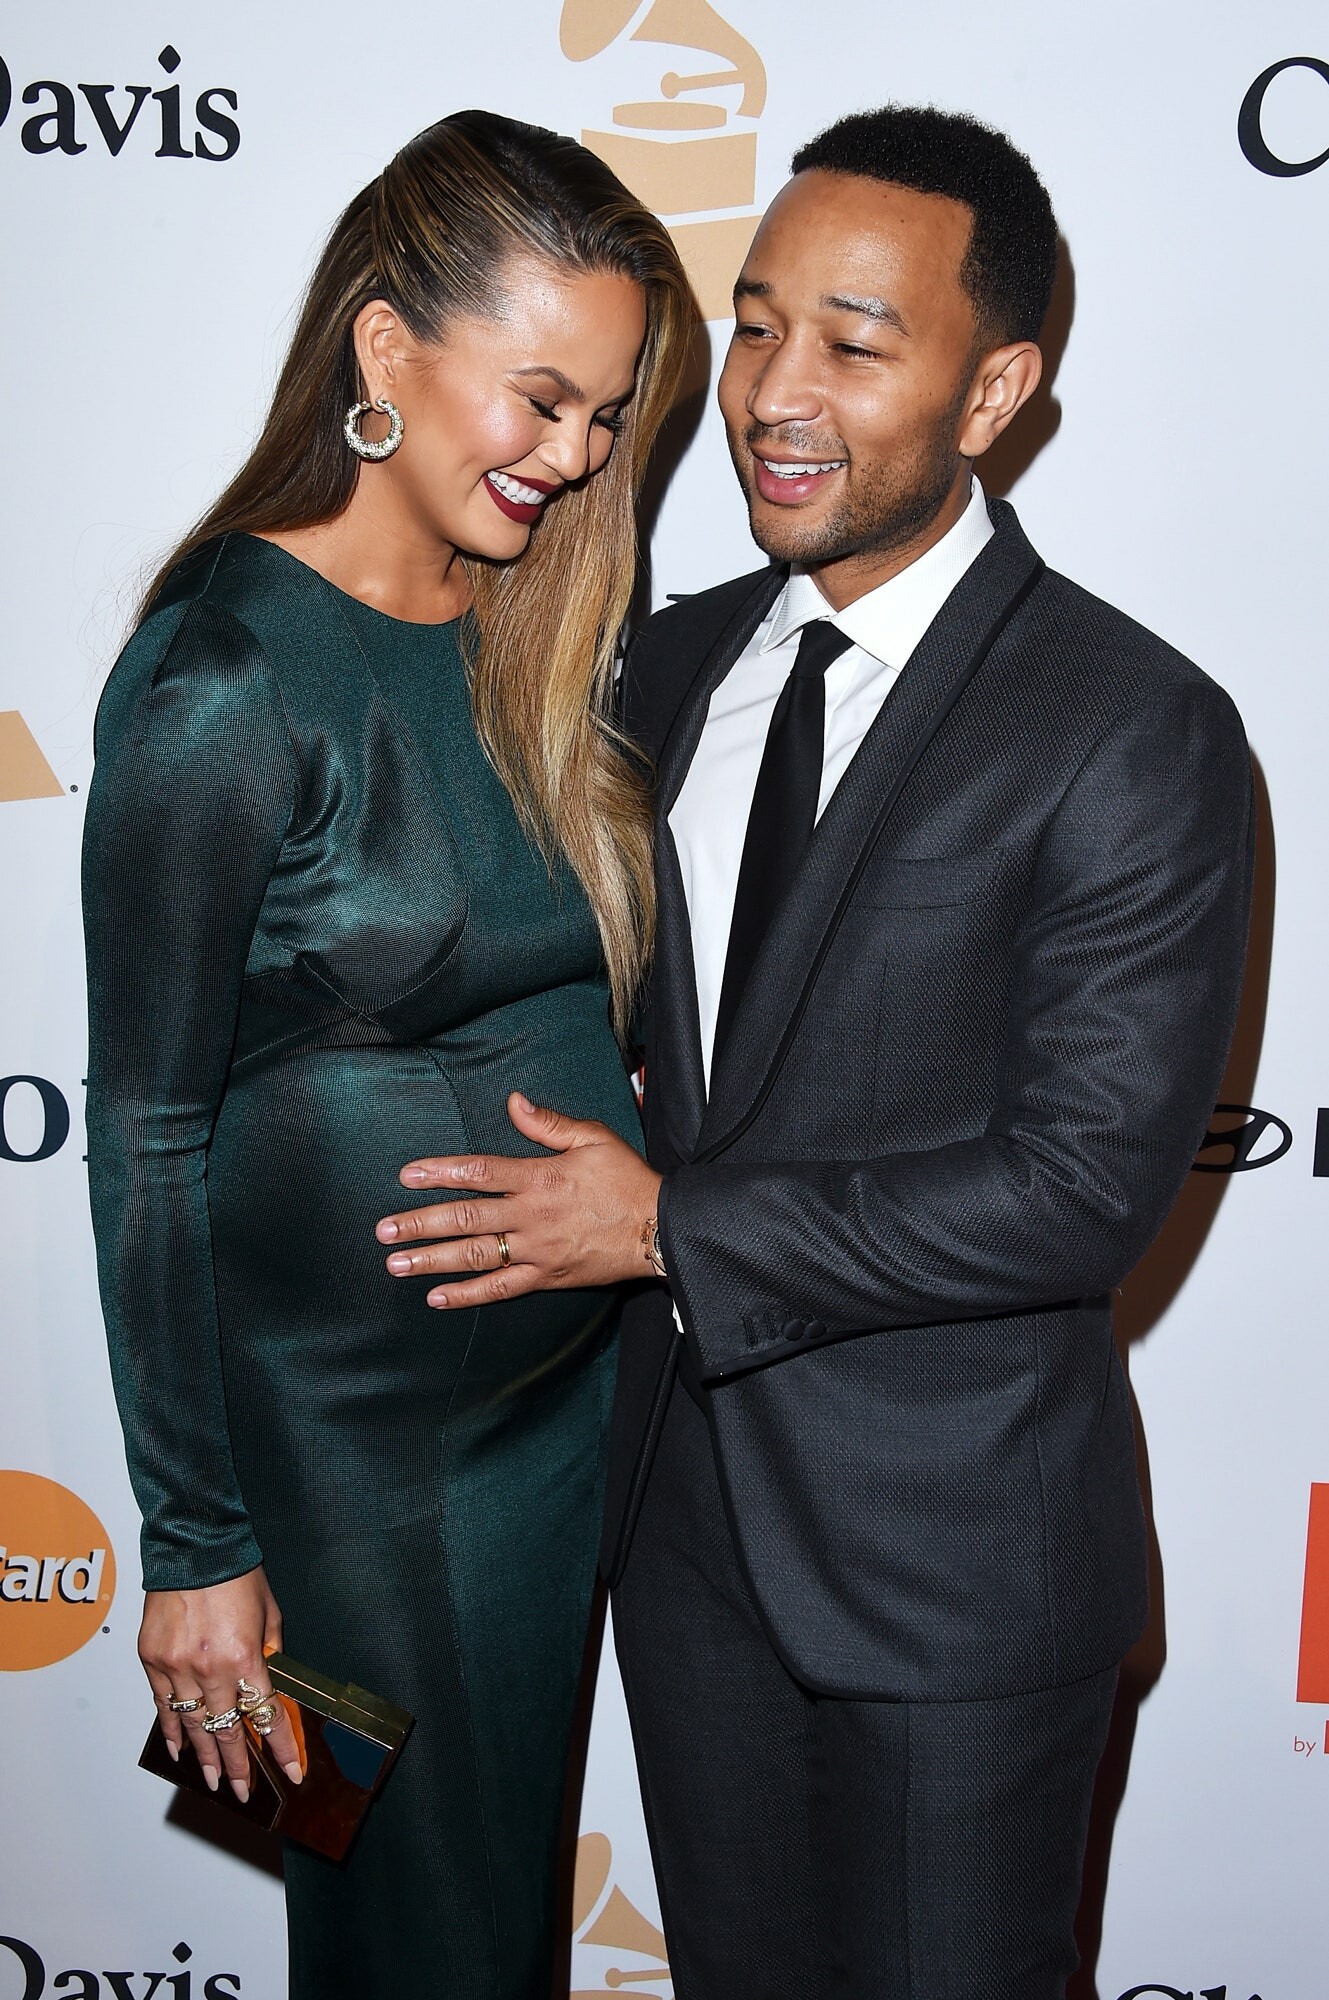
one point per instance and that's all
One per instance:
(57, 1572)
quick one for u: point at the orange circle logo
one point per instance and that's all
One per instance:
(57, 1572)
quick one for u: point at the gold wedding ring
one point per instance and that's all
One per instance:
(504, 1254)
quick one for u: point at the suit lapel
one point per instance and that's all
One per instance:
(677, 1028)
(945, 661)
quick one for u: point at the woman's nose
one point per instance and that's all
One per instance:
(567, 453)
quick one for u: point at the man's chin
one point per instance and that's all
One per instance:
(787, 536)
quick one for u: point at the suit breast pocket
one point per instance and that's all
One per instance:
(936, 882)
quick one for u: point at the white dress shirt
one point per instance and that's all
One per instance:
(710, 815)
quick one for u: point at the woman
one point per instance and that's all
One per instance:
(361, 858)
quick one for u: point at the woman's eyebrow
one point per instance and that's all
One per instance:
(569, 388)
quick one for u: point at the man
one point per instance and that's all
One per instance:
(953, 866)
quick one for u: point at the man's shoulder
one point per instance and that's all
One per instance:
(702, 610)
(1109, 660)
(669, 647)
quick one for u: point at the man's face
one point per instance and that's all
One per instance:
(845, 386)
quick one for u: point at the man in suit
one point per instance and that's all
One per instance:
(953, 871)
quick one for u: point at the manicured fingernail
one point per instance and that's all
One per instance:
(399, 1265)
(241, 1790)
(413, 1176)
(210, 1777)
(174, 1752)
(386, 1232)
(294, 1773)
(524, 1102)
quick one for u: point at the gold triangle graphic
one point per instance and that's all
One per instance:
(24, 772)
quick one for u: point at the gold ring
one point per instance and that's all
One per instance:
(262, 1718)
(504, 1254)
(248, 1697)
(226, 1720)
(187, 1707)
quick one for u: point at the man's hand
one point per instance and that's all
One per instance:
(572, 1220)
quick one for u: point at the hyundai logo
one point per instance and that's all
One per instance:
(1241, 1138)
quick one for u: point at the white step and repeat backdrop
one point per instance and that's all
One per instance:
(168, 173)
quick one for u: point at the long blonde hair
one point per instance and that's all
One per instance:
(433, 236)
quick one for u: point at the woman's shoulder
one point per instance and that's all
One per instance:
(198, 644)
(255, 583)
(236, 608)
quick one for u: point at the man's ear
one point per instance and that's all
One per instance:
(381, 346)
(1003, 383)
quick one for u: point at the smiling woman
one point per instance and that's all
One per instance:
(362, 856)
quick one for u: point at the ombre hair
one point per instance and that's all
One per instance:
(433, 237)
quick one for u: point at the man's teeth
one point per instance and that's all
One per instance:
(802, 471)
(512, 489)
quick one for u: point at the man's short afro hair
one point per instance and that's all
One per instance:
(1011, 262)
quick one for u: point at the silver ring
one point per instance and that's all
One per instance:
(187, 1707)
(226, 1720)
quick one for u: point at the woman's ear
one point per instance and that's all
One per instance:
(381, 344)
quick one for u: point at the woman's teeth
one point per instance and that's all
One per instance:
(512, 489)
(802, 471)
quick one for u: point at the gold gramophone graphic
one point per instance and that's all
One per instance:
(682, 175)
(602, 1915)
(24, 771)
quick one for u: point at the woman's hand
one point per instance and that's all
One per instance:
(197, 1646)
(571, 1218)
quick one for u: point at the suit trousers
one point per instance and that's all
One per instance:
(809, 1846)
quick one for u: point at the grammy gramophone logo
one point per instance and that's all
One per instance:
(24, 771)
(614, 1944)
(690, 153)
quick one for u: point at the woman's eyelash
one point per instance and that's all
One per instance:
(612, 423)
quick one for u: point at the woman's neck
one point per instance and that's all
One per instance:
(373, 552)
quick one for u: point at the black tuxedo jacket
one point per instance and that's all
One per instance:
(975, 1058)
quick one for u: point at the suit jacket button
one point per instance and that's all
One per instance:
(816, 1329)
(793, 1329)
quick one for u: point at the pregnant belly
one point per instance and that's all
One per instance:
(346, 1393)
(304, 1162)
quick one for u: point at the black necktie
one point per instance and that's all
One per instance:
(784, 810)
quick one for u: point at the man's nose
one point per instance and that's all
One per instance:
(785, 389)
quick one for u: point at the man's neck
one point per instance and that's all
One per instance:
(841, 583)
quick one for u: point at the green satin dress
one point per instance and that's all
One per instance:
(319, 945)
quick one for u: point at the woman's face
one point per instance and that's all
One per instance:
(503, 413)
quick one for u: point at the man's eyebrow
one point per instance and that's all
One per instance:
(752, 288)
(879, 309)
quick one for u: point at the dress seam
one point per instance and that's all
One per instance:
(441, 1496)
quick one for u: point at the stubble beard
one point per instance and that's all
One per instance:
(885, 507)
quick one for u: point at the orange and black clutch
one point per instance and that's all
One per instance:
(349, 1741)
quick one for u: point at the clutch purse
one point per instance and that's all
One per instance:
(348, 1742)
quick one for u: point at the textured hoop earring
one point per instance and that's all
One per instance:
(361, 446)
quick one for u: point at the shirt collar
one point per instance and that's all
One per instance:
(888, 622)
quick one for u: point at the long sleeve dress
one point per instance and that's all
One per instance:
(320, 945)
